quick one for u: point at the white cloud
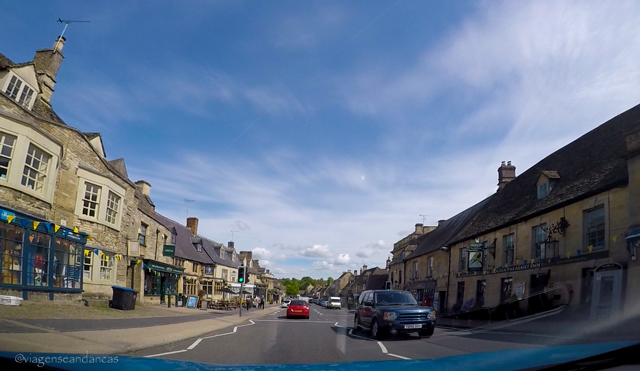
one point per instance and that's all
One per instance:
(342, 259)
(322, 265)
(265, 263)
(365, 253)
(241, 225)
(279, 270)
(261, 253)
(316, 251)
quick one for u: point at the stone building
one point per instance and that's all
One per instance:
(401, 250)
(60, 178)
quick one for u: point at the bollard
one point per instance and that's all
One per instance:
(169, 301)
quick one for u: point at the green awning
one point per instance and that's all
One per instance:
(162, 267)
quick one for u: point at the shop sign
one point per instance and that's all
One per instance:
(4, 214)
(208, 269)
(476, 259)
(169, 250)
(520, 267)
(77, 237)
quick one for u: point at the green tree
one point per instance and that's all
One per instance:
(330, 281)
(292, 289)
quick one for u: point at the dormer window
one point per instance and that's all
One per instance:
(546, 182)
(199, 247)
(233, 257)
(19, 91)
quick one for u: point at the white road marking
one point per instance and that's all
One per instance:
(215, 336)
(195, 344)
(397, 356)
(290, 321)
(382, 347)
(165, 354)
(336, 324)
(357, 336)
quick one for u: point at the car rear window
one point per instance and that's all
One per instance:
(298, 302)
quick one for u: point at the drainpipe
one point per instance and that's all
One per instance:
(155, 256)
(446, 295)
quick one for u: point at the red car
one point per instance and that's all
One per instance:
(298, 308)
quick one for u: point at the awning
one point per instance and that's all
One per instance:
(162, 267)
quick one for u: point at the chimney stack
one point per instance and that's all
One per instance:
(440, 222)
(506, 173)
(355, 272)
(144, 187)
(47, 63)
(419, 229)
(192, 223)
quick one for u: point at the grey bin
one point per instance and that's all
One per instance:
(124, 298)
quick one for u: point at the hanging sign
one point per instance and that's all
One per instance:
(169, 250)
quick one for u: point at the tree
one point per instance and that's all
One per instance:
(292, 289)
(330, 281)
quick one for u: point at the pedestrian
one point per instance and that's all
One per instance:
(262, 301)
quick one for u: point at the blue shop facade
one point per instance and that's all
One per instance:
(39, 259)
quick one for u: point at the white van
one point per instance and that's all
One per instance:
(334, 302)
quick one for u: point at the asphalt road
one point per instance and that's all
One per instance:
(327, 337)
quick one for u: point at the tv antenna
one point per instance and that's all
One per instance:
(424, 217)
(66, 24)
(188, 202)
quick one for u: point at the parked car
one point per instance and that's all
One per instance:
(285, 303)
(323, 302)
(334, 302)
(298, 308)
(393, 311)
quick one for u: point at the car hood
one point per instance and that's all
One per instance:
(506, 360)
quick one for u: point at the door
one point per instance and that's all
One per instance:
(367, 309)
(442, 301)
(163, 288)
(607, 288)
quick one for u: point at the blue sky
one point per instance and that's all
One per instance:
(321, 131)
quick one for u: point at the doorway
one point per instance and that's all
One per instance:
(607, 290)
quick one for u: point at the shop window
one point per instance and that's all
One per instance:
(506, 289)
(207, 286)
(106, 267)
(38, 262)
(219, 285)
(67, 264)
(11, 240)
(594, 229)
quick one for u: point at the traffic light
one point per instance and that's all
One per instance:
(241, 274)
(387, 285)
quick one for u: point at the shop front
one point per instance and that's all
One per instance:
(39, 259)
(424, 292)
(160, 280)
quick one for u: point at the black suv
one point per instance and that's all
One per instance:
(391, 311)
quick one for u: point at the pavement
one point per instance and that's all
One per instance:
(115, 336)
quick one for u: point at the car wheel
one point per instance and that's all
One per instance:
(356, 323)
(375, 330)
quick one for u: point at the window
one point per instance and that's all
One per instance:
(91, 200)
(26, 96)
(225, 274)
(67, 265)
(506, 289)
(480, 292)
(539, 238)
(414, 274)
(233, 276)
(87, 272)
(430, 266)
(7, 143)
(508, 249)
(195, 267)
(12, 238)
(14, 87)
(207, 286)
(35, 169)
(233, 257)
(199, 247)
(38, 275)
(173, 238)
(106, 267)
(595, 229)
(460, 294)
(113, 206)
(543, 189)
(462, 264)
(142, 236)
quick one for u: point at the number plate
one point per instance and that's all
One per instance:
(412, 326)
(296, 311)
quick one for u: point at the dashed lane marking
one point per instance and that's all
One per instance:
(382, 347)
(397, 356)
(165, 354)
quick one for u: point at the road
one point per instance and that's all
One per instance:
(327, 337)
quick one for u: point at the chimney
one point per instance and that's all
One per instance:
(506, 173)
(145, 187)
(355, 272)
(440, 222)
(231, 245)
(246, 254)
(419, 229)
(192, 223)
(47, 63)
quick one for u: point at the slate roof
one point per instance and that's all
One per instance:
(184, 247)
(589, 165)
(119, 165)
(449, 231)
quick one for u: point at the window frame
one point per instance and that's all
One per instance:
(9, 158)
(142, 234)
(18, 93)
(110, 267)
(539, 248)
(40, 174)
(89, 201)
(430, 266)
(110, 210)
(415, 266)
(107, 186)
(506, 249)
(603, 231)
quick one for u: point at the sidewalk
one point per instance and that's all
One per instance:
(117, 336)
